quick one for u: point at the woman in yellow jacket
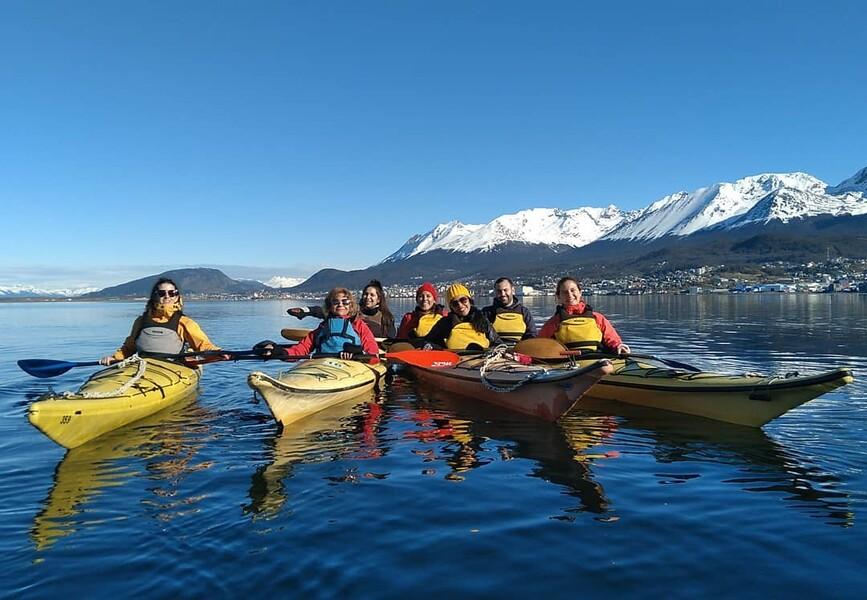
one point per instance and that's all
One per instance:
(465, 327)
(163, 328)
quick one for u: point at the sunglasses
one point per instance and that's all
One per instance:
(459, 301)
(167, 293)
(340, 302)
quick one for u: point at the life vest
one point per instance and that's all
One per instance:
(334, 333)
(463, 334)
(509, 323)
(579, 331)
(159, 338)
(426, 323)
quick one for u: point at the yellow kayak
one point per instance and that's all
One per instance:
(750, 399)
(314, 385)
(112, 398)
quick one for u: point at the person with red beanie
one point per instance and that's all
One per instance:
(418, 323)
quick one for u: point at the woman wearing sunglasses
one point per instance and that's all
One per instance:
(577, 326)
(374, 310)
(465, 327)
(162, 328)
(342, 326)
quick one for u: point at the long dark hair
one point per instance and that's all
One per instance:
(153, 300)
(387, 317)
(564, 280)
(477, 318)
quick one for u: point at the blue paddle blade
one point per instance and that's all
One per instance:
(43, 367)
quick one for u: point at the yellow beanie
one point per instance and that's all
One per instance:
(457, 290)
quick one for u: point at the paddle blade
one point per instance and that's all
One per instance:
(401, 347)
(295, 334)
(43, 368)
(541, 348)
(431, 359)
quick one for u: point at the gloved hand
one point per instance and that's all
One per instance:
(298, 312)
(352, 349)
(269, 349)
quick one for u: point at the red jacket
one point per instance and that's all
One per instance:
(610, 338)
(307, 346)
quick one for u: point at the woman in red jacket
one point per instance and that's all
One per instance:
(342, 327)
(418, 323)
(577, 326)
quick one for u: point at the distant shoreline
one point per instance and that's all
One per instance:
(317, 299)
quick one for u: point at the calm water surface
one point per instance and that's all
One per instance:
(415, 492)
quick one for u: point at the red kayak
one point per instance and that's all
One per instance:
(545, 392)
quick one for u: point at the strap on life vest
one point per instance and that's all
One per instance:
(579, 332)
(510, 325)
(334, 334)
(463, 334)
(159, 338)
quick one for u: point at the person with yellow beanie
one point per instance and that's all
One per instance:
(465, 327)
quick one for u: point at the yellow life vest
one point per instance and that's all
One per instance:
(425, 324)
(463, 335)
(510, 325)
(579, 332)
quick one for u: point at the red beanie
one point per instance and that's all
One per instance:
(427, 286)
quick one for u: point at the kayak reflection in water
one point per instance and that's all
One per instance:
(162, 328)
(465, 327)
(577, 326)
(342, 332)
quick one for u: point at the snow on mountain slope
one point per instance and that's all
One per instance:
(549, 226)
(279, 281)
(855, 184)
(787, 204)
(28, 291)
(758, 198)
(684, 213)
(441, 236)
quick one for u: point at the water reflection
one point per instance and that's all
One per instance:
(346, 430)
(161, 447)
(474, 434)
(763, 464)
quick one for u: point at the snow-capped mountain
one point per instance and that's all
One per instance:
(27, 291)
(443, 236)
(684, 213)
(279, 281)
(548, 226)
(787, 204)
(855, 184)
(755, 199)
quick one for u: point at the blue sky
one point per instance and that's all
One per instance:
(288, 136)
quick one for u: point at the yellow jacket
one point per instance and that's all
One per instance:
(188, 329)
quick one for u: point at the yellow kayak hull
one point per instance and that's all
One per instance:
(74, 419)
(315, 385)
(751, 400)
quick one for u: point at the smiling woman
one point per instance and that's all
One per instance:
(465, 327)
(163, 328)
(342, 326)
